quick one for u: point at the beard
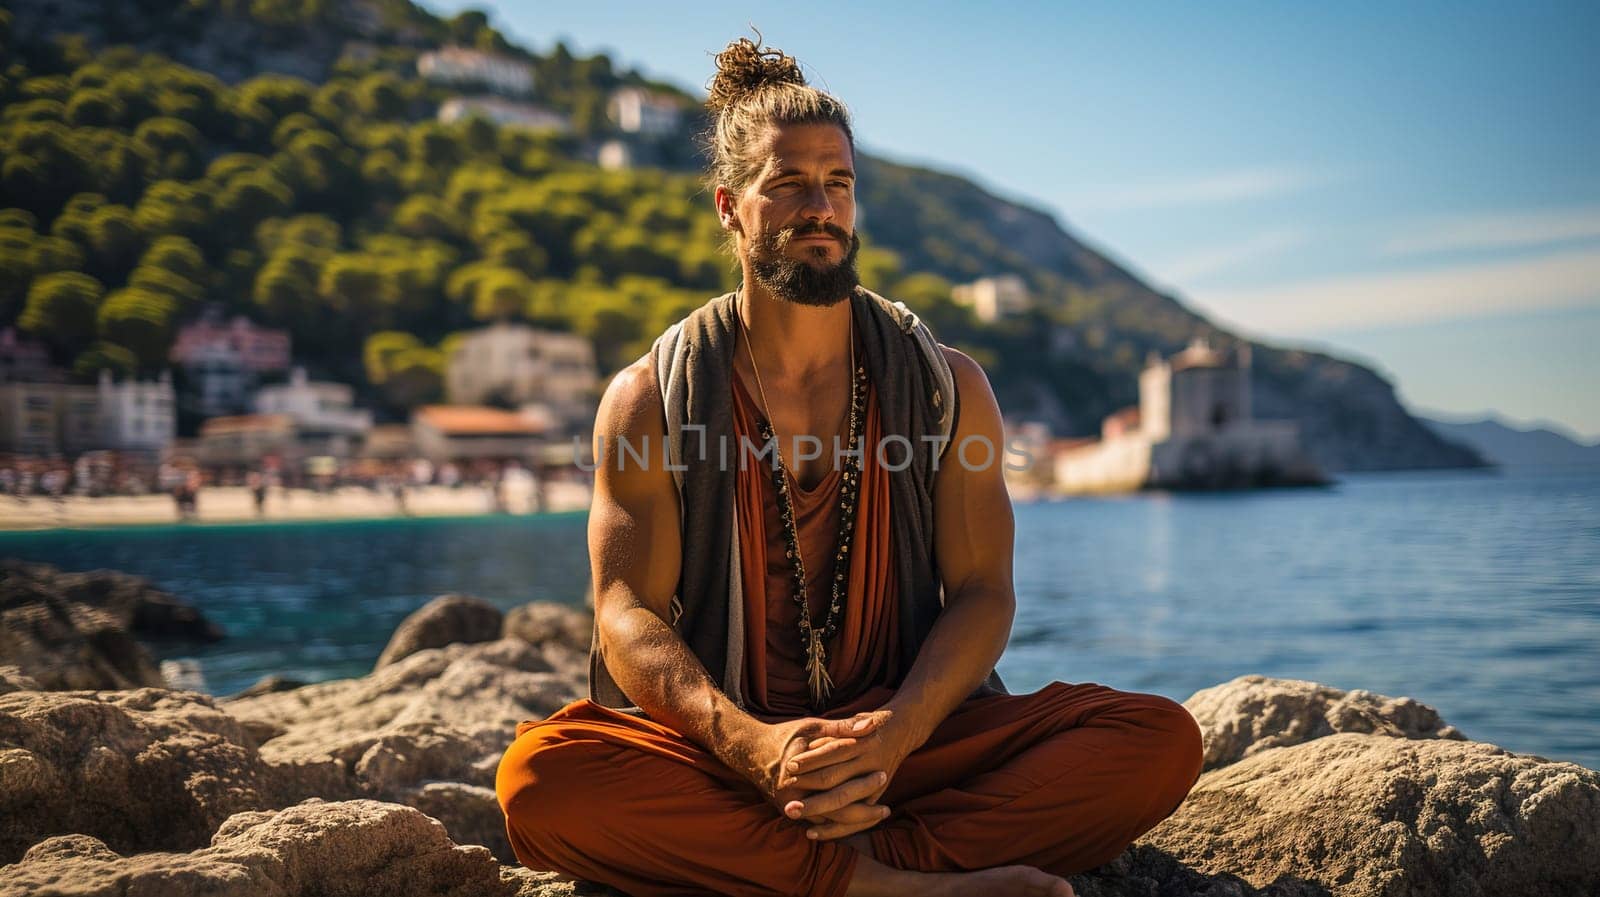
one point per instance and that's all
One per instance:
(800, 281)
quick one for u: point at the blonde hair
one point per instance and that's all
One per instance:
(752, 90)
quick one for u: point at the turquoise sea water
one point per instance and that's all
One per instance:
(1477, 593)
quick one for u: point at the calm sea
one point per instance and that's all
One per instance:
(1476, 593)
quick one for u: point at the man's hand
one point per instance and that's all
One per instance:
(844, 776)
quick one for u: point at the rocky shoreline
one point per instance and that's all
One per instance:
(113, 784)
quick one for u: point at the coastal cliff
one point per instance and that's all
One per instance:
(386, 782)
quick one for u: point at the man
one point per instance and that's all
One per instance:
(791, 682)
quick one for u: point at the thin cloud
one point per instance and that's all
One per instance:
(1308, 308)
(1228, 186)
(1212, 260)
(1501, 230)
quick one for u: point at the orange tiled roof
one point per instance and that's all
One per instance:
(469, 420)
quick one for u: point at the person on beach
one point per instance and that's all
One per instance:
(802, 573)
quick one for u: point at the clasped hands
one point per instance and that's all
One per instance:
(831, 773)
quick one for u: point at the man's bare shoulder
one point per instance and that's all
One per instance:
(631, 405)
(964, 368)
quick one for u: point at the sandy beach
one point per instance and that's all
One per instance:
(233, 504)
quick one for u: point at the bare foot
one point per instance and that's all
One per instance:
(873, 879)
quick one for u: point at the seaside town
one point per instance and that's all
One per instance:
(270, 441)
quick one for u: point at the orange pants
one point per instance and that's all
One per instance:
(1063, 779)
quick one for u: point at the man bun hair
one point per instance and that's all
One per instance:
(743, 69)
(754, 89)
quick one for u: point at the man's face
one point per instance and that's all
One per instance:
(796, 219)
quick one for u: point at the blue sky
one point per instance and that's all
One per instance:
(1418, 188)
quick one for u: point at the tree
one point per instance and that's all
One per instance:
(178, 209)
(310, 231)
(184, 292)
(380, 348)
(427, 216)
(287, 292)
(279, 95)
(380, 95)
(357, 284)
(16, 268)
(465, 25)
(141, 320)
(249, 198)
(60, 309)
(99, 108)
(416, 377)
(115, 241)
(501, 295)
(178, 255)
(104, 356)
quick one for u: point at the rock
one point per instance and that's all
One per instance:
(470, 813)
(529, 883)
(1144, 871)
(62, 644)
(267, 685)
(481, 690)
(309, 850)
(546, 621)
(1369, 815)
(147, 612)
(446, 620)
(13, 679)
(159, 770)
(1251, 714)
(139, 770)
(440, 715)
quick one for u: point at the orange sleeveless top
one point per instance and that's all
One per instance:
(862, 657)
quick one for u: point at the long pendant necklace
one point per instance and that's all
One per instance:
(815, 638)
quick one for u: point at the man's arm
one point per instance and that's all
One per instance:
(635, 552)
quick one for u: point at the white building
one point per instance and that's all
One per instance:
(993, 298)
(514, 364)
(459, 65)
(639, 111)
(323, 412)
(504, 113)
(50, 418)
(1193, 429)
(614, 155)
(137, 415)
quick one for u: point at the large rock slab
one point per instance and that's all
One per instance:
(427, 731)
(61, 644)
(314, 849)
(1373, 816)
(446, 620)
(149, 613)
(480, 690)
(1252, 714)
(139, 770)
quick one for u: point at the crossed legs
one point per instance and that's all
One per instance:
(1061, 780)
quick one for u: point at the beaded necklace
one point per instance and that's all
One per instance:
(812, 637)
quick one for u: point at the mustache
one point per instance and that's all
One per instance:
(816, 229)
